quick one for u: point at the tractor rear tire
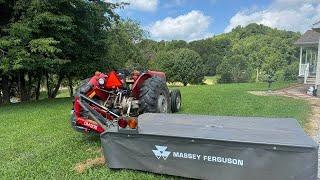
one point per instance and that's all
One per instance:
(175, 97)
(154, 96)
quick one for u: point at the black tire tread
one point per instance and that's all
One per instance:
(149, 92)
(173, 95)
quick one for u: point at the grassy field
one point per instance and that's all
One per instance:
(37, 141)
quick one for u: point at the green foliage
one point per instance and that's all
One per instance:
(121, 42)
(234, 69)
(268, 52)
(149, 49)
(174, 44)
(212, 51)
(62, 39)
(257, 50)
(72, 39)
(181, 65)
(291, 71)
(44, 46)
(165, 61)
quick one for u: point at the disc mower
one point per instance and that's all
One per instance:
(119, 97)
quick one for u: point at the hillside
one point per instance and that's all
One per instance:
(244, 54)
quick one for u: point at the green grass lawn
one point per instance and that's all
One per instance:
(37, 141)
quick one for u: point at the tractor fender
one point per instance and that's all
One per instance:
(137, 84)
(159, 74)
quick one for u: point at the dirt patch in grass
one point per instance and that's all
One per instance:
(312, 126)
(265, 93)
(90, 163)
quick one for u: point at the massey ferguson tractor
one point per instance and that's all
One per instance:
(118, 98)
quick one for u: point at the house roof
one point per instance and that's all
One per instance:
(316, 26)
(309, 38)
(316, 23)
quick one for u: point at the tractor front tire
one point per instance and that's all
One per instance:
(154, 96)
(175, 97)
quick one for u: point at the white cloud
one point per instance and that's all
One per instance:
(191, 26)
(294, 15)
(174, 3)
(141, 5)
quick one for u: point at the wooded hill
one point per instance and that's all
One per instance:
(246, 54)
(52, 43)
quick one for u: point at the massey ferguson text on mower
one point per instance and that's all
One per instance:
(117, 98)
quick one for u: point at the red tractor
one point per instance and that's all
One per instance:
(117, 99)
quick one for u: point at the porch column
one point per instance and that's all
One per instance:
(318, 68)
(300, 70)
(306, 61)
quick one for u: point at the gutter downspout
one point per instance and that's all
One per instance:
(300, 70)
(318, 68)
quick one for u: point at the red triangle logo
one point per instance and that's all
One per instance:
(113, 81)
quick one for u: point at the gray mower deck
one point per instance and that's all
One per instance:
(214, 147)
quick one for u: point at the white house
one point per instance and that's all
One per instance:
(309, 68)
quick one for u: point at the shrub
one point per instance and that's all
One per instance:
(291, 72)
(279, 76)
(234, 69)
(181, 65)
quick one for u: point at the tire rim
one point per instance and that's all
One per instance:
(178, 102)
(162, 104)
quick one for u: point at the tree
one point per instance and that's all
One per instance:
(175, 44)
(254, 48)
(148, 50)
(54, 39)
(122, 41)
(273, 63)
(164, 61)
(234, 69)
(181, 65)
(6, 13)
(266, 50)
(212, 51)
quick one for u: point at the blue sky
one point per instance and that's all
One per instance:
(197, 19)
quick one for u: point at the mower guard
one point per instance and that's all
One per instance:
(213, 147)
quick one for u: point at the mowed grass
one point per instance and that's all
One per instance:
(234, 100)
(37, 141)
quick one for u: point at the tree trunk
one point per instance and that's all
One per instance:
(0, 98)
(38, 87)
(257, 78)
(29, 87)
(70, 86)
(48, 85)
(1, 91)
(56, 89)
(5, 89)
(23, 87)
(185, 84)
